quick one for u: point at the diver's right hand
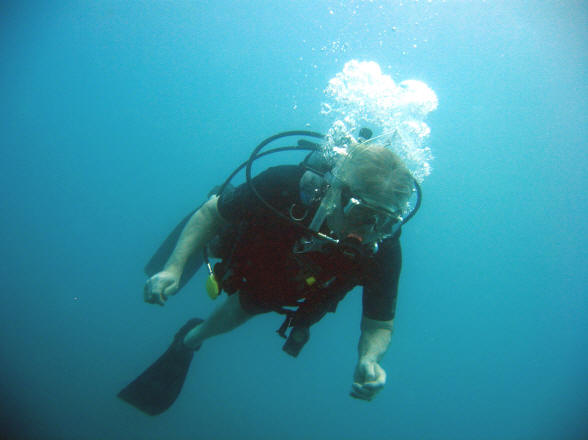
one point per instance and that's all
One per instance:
(160, 286)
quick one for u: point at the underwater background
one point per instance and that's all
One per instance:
(117, 118)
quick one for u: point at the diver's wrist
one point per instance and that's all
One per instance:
(173, 268)
(368, 358)
(373, 344)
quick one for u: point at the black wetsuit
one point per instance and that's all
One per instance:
(269, 275)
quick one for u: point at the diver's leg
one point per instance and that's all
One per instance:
(225, 318)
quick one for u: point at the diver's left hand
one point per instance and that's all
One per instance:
(369, 379)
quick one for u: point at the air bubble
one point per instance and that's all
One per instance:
(361, 95)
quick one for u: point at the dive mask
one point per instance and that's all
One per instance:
(363, 219)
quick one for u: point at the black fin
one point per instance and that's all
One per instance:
(158, 387)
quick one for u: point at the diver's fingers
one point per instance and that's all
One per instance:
(365, 372)
(369, 371)
(379, 376)
(154, 299)
(373, 387)
(372, 374)
(150, 295)
(170, 289)
(359, 392)
(375, 379)
(366, 391)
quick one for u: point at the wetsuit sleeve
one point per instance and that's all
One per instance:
(380, 288)
(234, 202)
(277, 185)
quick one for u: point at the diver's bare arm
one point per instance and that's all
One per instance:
(370, 377)
(200, 229)
(375, 339)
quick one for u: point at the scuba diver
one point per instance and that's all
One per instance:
(295, 239)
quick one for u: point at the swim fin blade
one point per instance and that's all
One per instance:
(158, 387)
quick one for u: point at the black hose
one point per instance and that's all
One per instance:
(418, 202)
(304, 146)
(255, 156)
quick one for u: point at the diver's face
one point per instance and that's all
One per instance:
(356, 218)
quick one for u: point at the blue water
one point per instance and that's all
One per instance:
(118, 116)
